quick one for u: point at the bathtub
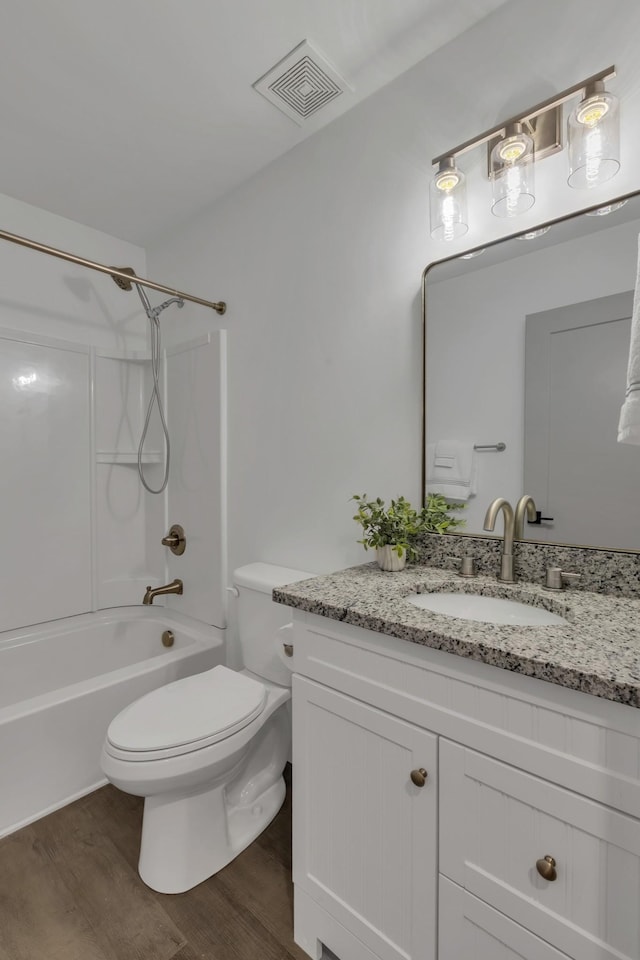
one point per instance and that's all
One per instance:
(61, 683)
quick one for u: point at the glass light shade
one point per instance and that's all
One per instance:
(513, 181)
(448, 202)
(594, 139)
(533, 234)
(606, 210)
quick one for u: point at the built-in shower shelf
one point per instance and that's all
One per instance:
(112, 456)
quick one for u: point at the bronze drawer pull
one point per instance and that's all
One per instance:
(419, 777)
(546, 867)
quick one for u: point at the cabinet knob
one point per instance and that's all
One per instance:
(546, 867)
(419, 777)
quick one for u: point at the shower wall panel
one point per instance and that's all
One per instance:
(196, 407)
(45, 479)
(70, 536)
(128, 557)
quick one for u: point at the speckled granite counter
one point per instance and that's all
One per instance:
(597, 652)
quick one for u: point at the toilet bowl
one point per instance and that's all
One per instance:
(208, 752)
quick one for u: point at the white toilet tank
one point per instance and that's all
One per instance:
(260, 619)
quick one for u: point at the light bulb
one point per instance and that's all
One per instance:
(594, 138)
(447, 180)
(513, 178)
(448, 202)
(512, 149)
(591, 111)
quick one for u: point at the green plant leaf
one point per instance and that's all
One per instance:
(399, 524)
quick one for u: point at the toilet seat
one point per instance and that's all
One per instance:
(186, 715)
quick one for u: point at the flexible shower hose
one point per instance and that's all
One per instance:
(155, 398)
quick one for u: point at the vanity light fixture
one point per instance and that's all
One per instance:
(514, 147)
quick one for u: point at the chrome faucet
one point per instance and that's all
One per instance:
(506, 562)
(152, 592)
(524, 505)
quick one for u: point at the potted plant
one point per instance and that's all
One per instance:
(392, 530)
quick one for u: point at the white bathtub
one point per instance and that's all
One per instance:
(61, 684)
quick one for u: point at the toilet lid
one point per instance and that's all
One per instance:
(189, 714)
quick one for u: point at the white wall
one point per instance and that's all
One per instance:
(476, 347)
(320, 257)
(54, 298)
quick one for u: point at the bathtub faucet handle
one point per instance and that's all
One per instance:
(175, 540)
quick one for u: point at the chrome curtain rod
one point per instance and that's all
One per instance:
(219, 306)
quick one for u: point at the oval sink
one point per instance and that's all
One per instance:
(482, 609)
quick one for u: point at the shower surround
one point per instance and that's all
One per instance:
(83, 538)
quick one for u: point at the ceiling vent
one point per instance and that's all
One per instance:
(302, 83)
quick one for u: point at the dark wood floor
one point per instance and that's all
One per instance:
(70, 890)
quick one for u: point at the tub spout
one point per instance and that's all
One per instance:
(152, 592)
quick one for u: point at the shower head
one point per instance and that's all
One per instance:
(155, 313)
(152, 312)
(122, 283)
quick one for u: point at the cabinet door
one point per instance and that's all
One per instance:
(471, 930)
(497, 822)
(364, 834)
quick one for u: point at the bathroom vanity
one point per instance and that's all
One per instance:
(464, 790)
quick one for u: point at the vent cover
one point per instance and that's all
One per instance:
(302, 83)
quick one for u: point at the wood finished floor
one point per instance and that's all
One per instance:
(70, 890)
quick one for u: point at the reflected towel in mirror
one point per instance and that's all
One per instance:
(451, 469)
(629, 425)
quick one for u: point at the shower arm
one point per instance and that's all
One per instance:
(124, 276)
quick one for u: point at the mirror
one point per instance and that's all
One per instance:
(527, 346)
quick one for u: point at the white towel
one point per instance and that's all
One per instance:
(629, 426)
(451, 469)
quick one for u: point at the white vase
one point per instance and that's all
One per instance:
(389, 560)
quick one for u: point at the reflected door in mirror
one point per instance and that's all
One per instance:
(577, 472)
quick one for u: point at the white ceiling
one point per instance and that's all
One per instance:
(131, 115)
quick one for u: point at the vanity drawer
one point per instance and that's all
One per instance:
(468, 929)
(586, 744)
(497, 821)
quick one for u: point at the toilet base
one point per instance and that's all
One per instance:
(186, 839)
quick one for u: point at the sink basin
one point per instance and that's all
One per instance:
(483, 609)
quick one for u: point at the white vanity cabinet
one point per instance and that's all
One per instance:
(516, 770)
(365, 833)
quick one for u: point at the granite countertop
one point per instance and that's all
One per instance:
(597, 651)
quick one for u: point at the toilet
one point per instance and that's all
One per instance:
(208, 752)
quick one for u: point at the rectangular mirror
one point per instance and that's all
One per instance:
(527, 346)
